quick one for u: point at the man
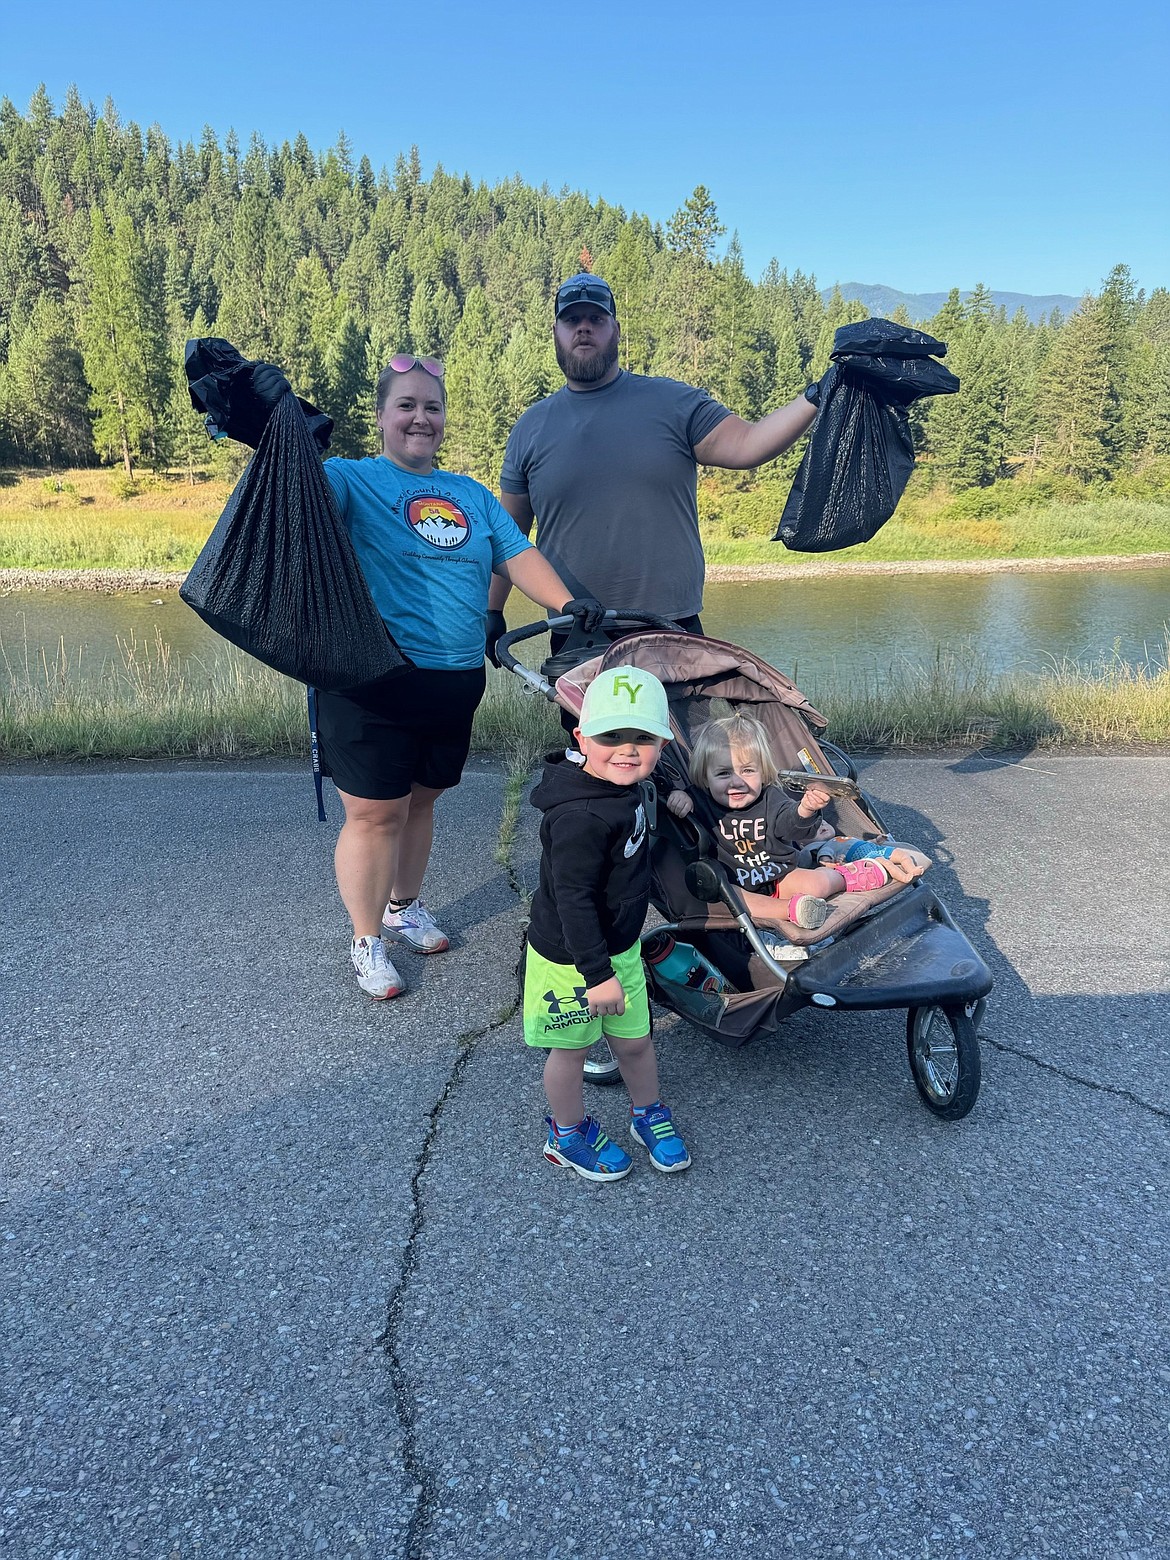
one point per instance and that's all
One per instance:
(607, 466)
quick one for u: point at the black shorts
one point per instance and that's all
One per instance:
(412, 728)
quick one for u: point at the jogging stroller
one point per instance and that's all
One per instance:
(891, 947)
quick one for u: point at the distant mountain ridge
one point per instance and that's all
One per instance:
(882, 301)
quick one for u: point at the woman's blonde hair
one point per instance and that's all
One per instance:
(735, 733)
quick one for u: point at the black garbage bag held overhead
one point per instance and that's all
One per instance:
(233, 392)
(861, 452)
(278, 575)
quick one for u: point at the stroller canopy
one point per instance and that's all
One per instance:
(706, 678)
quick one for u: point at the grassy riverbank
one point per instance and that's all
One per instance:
(1021, 517)
(86, 520)
(929, 531)
(154, 706)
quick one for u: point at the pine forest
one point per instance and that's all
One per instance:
(116, 246)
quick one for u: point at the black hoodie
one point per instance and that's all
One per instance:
(594, 869)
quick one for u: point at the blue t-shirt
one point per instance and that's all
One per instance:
(427, 547)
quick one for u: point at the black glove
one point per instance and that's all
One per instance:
(494, 628)
(589, 613)
(268, 385)
(254, 393)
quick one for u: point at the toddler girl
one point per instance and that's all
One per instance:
(759, 830)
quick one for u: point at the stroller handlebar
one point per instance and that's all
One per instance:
(613, 617)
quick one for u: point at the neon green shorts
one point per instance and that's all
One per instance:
(556, 1014)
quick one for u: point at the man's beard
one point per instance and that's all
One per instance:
(586, 369)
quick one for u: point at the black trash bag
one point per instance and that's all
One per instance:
(861, 452)
(220, 381)
(278, 575)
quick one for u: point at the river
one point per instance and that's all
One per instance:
(820, 631)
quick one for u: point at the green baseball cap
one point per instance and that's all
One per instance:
(625, 696)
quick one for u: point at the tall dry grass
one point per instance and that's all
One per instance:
(153, 704)
(148, 704)
(956, 701)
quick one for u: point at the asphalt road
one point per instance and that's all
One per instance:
(285, 1273)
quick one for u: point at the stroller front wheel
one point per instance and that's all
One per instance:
(601, 1065)
(943, 1049)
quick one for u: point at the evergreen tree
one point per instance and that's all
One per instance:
(737, 336)
(1118, 307)
(390, 301)
(948, 322)
(782, 361)
(23, 273)
(1017, 408)
(695, 227)
(629, 270)
(809, 315)
(476, 391)
(788, 375)
(1075, 395)
(124, 339)
(964, 432)
(524, 370)
(1150, 379)
(686, 332)
(348, 396)
(309, 328)
(255, 294)
(45, 391)
(187, 431)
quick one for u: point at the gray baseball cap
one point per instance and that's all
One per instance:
(585, 288)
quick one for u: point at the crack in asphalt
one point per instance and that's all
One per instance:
(424, 1489)
(426, 1496)
(1071, 1077)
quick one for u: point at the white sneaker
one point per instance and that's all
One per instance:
(376, 975)
(415, 926)
(786, 952)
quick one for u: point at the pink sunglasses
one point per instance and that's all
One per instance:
(402, 363)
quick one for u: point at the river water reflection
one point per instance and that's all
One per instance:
(819, 631)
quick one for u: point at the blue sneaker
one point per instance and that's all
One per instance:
(587, 1151)
(655, 1131)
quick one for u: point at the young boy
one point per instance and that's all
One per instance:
(583, 977)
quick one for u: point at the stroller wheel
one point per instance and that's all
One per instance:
(944, 1059)
(600, 1066)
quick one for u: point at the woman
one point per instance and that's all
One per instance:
(428, 543)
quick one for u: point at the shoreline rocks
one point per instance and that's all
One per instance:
(111, 581)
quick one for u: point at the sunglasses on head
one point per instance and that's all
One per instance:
(584, 292)
(402, 363)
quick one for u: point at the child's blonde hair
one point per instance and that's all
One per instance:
(738, 733)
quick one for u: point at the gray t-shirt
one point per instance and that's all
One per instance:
(610, 475)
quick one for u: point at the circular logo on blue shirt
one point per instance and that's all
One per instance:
(438, 521)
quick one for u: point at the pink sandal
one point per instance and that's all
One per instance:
(871, 872)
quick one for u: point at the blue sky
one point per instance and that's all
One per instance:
(921, 144)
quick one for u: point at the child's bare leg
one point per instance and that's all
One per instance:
(639, 1068)
(821, 882)
(655, 1131)
(564, 1073)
